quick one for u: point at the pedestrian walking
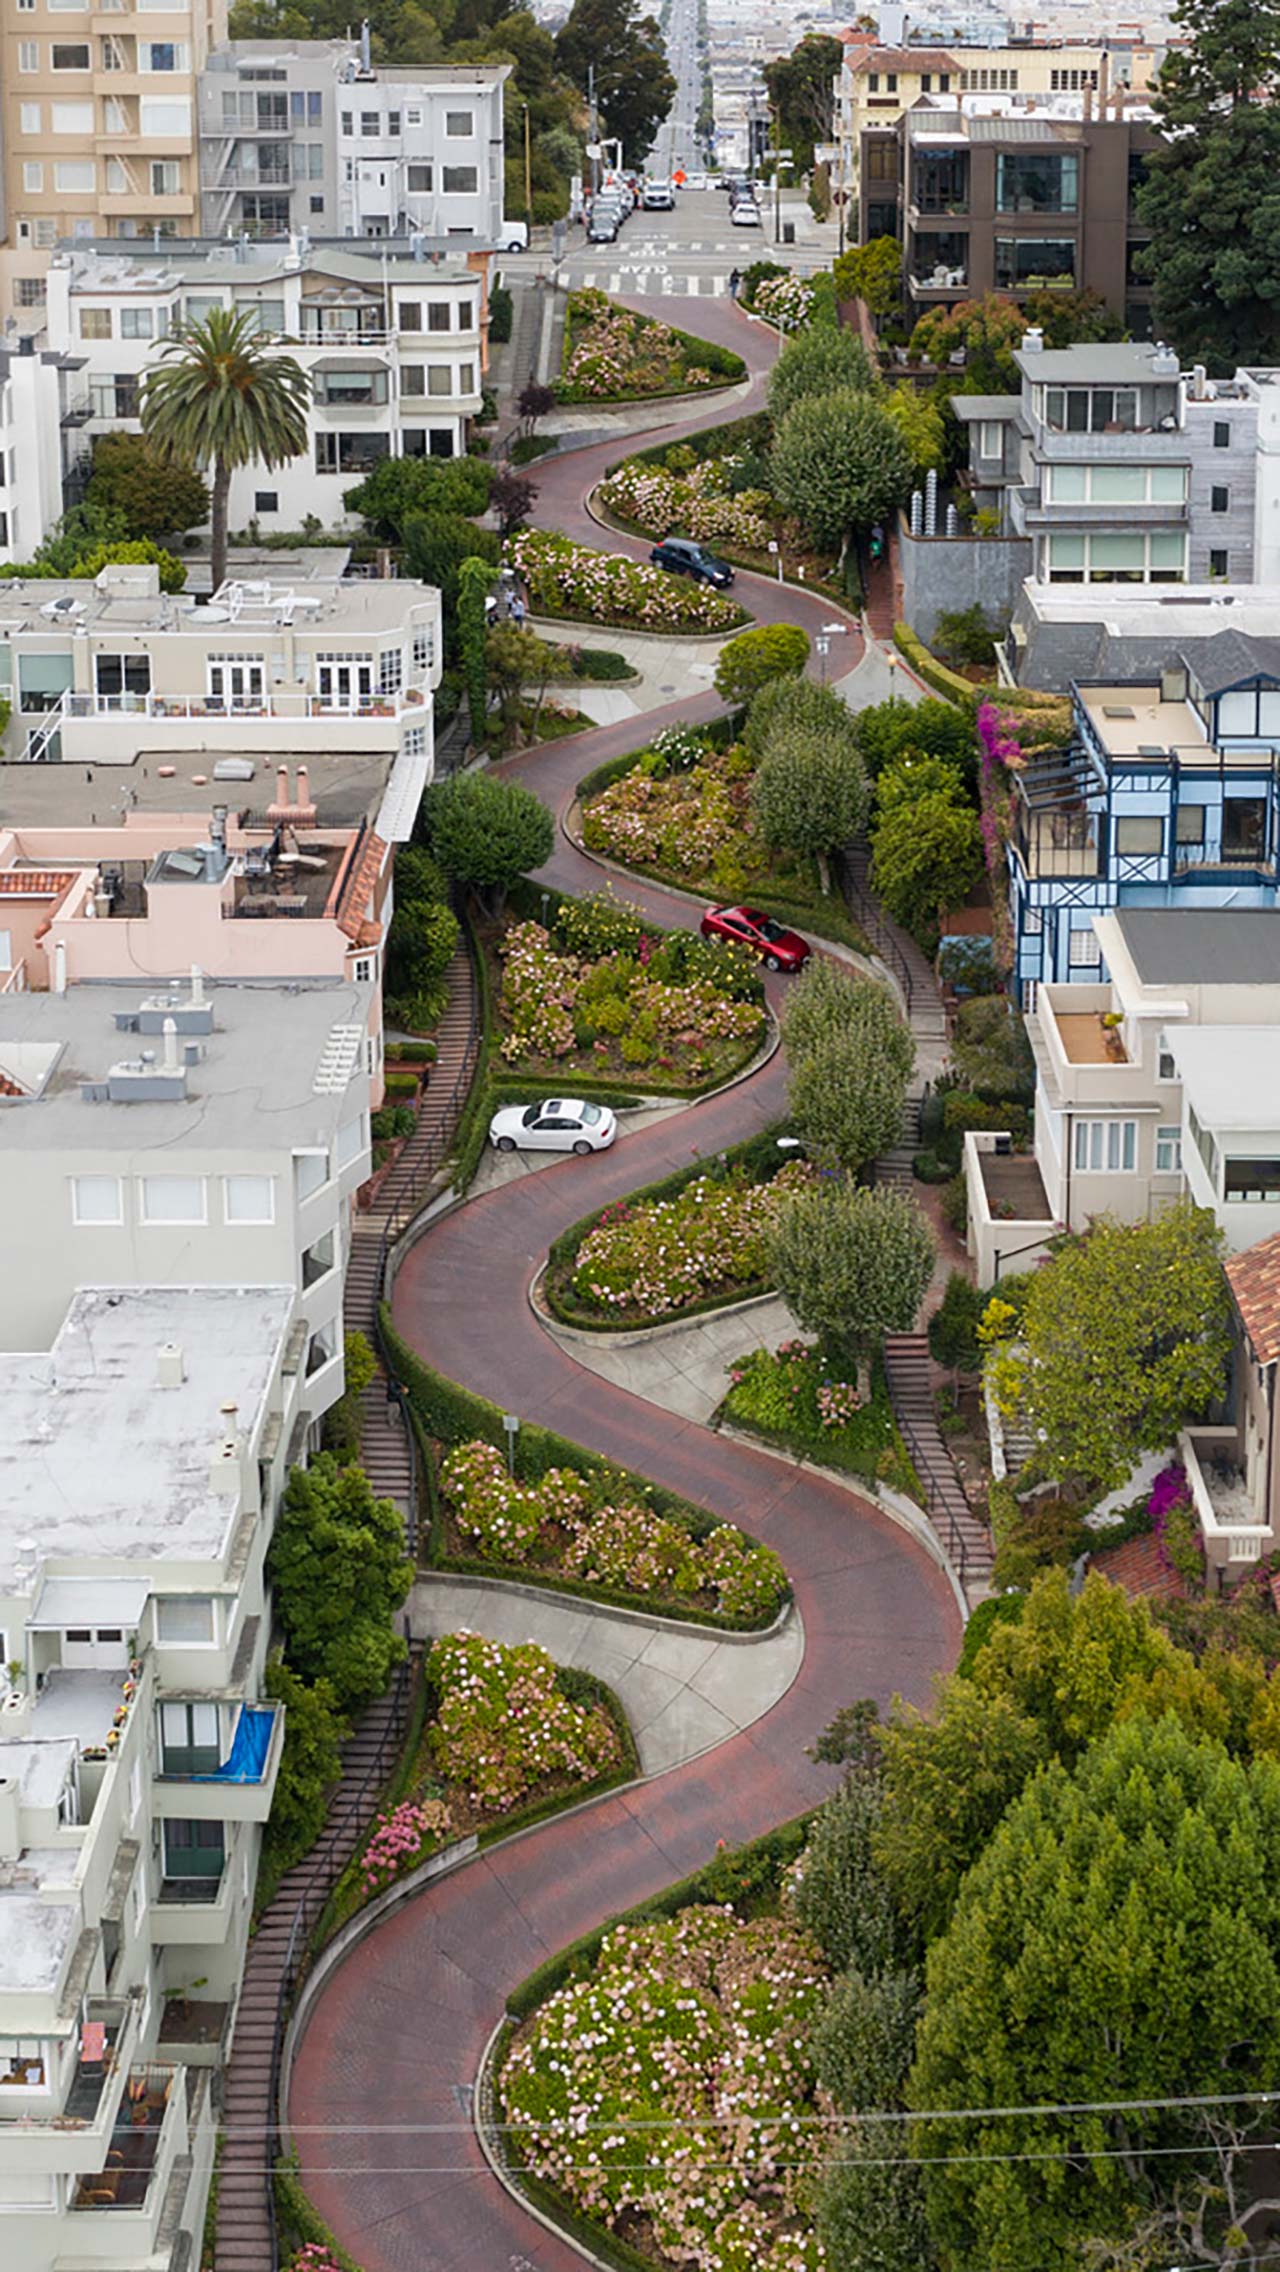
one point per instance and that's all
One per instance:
(735, 281)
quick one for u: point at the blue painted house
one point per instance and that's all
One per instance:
(1168, 796)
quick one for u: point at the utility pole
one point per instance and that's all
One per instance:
(594, 117)
(528, 176)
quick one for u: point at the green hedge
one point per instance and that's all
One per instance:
(948, 684)
(752, 433)
(725, 367)
(759, 1155)
(451, 1414)
(298, 2221)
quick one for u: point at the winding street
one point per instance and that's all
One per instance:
(379, 2106)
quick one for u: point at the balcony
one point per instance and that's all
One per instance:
(75, 2137)
(114, 729)
(1083, 1060)
(189, 1912)
(1010, 1219)
(240, 1787)
(1231, 1513)
(150, 2129)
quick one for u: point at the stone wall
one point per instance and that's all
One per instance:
(941, 574)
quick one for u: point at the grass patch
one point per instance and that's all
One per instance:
(778, 1396)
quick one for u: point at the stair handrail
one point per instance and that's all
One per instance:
(873, 921)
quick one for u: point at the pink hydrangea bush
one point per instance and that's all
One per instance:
(682, 821)
(617, 352)
(698, 502)
(654, 1259)
(401, 1839)
(504, 1731)
(564, 578)
(705, 2021)
(542, 990)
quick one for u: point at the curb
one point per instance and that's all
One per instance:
(624, 630)
(636, 1336)
(579, 1605)
(482, 2099)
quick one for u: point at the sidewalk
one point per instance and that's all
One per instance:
(682, 1692)
(670, 670)
(683, 1368)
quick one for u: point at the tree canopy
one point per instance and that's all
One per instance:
(221, 396)
(839, 464)
(154, 497)
(809, 794)
(800, 91)
(339, 1573)
(756, 657)
(1124, 1338)
(815, 362)
(852, 1264)
(1211, 196)
(926, 843)
(634, 84)
(487, 832)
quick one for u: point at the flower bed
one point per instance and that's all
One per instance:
(699, 502)
(573, 582)
(796, 1396)
(612, 354)
(597, 1530)
(676, 1006)
(703, 2019)
(785, 301)
(652, 1260)
(505, 1730)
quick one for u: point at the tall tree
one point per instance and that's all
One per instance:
(339, 1573)
(839, 464)
(222, 396)
(802, 91)
(634, 85)
(1117, 1940)
(1211, 196)
(851, 1264)
(1124, 1338)
(816, 361)
(155, 496)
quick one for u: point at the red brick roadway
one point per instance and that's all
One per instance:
(381, 2089)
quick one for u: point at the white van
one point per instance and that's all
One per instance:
(514, 236)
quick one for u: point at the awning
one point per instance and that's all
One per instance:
(349, 366)
(89, 1601)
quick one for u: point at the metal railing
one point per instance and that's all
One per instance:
(873, 922)
(305, 1917)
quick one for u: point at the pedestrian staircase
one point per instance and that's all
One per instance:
(245, 2233)
(965, 1537)
(386, 1451)
(895, 1168)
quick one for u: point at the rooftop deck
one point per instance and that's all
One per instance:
(1014, 1188)
(1087, 1041)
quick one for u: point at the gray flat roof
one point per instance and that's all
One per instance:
(97, 1462)
(969, 407)
(40, 1768)
(1203, 946)
(254, 1089)
(1101, 363)
(35, 1934)
(1231, 1074)
(345, 787)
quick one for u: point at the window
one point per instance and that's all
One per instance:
(439, 315)
(122, 674)
(1140, 833)
(1025, 263)
(1189, 827)
(311, 1172)
(28, 55)
(390, 670)
(1105, 1146)
(891, 82)
(78, 175)
(70, 118)
(439, 378)
(317, 204)
(1169, 1150)
(30, 291)
(97, 1199)
(194, 1850)
(459, 125)
(1033, 922)
(990, 438)
(393, 123)
(185, 1620)
(1166, 1064)
(413, 379)
(172, 1198)
(315, 109)
(350, 453)
(460, 181)
(466, 378)
(29, 117)
(409, 315)
(1083, 951)
(136, 323)
(1219, 499)
(369, 123)
(1034, 182)
(1089, 410)
(354, 1138)
(238, 681)
(1222, 434)
(1251, 1179)
(166, 177)
(419, 180)
(266, 500)
(167, 119)
(189, 1739)
(423, 647)
(1217, 562)
(33, 176)
(64, 56)
(249, 1198)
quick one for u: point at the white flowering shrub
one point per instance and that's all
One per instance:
(704, 2021)
(682, 820)
(615, 352)
(504, 1731)
(620, 1009)
(654, 1257)
(601, 1533)
(564, 578)
(698, 503)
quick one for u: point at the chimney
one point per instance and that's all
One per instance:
(171, 1365)
(60, 966)
(170, 1031)
(197, 987)
(1086, 108)
(302, 788)
(282, 786)
(1200, 383)
(218, 827)
(224, 1469)
(1032, 340)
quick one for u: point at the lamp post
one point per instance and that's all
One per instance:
(528, 173)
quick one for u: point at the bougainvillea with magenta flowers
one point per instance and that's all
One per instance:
(999, 752)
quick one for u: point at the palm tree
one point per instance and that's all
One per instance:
(222, 396)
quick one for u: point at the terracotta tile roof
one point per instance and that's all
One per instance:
(1254, 1279)
(361, 877)
(35, 883)
(10, 1088)
(873, 58)
(1137, 1568)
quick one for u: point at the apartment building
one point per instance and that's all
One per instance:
(1157, 1082)
(1168, 797)
(1115, 466)
(144, 1446)
(38, 392)
(99, 127)
(114, 671)
(881, 82)
(395, 346)
(313, 137)
(1018, 195)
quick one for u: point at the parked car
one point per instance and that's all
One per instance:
(659, 197)
(745, 214)
(778, 948)
(737, 185)
(695, 181)
(602, 228)
(557, 1124)
(682, 557)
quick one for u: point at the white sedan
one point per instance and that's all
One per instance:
(745, 215)
(558, 1124)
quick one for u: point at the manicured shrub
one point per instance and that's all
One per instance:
(504, 1729)
(570, 580)
(754, 658)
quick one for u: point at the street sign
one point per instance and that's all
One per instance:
(679, 177)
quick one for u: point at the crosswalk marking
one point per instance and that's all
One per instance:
(648, 283)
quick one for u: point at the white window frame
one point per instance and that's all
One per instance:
(1165, 1056)
(28, 55)
(242, 1222)
(167, 1641)
(1169, 1143)
(173, 1222)
(1083, 961)
(33, 177)
(1104, 1138)
(96, 1222)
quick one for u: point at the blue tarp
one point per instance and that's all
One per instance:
(249, 1747)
